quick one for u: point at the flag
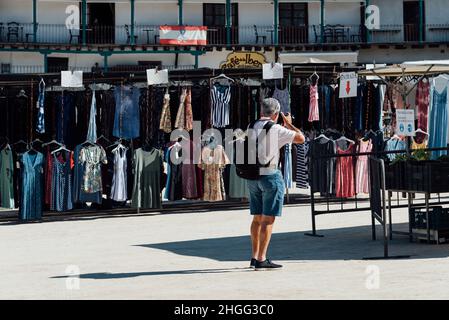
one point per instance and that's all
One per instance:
(183, 35)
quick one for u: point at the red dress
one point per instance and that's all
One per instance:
(344, 180)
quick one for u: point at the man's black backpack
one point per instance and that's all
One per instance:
(247, 165)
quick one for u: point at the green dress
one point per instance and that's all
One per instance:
(148, 168)
(6, 179)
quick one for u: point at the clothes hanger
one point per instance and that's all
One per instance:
(421, 131)
(120, 146)
(61, 148)
(116, 143)
(104, 138)
(22, 94)
(51, 142)
(222, 76)
(322, 135)
(343, 138)
(19, 142)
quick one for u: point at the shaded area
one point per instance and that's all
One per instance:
(352, 243)
(342, 244)
(107, 275)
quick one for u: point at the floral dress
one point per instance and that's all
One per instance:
(91, 158)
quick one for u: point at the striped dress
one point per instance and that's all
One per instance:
(220, 98)
(313, 107)
(302, 170)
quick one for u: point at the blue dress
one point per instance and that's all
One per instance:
(61, 186)
(32, 186)
(438, 122)
(127, 113)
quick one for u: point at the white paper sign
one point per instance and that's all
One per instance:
(155, 76)
(405, 122)
(348, 84)
(71, 80)
(273, 71)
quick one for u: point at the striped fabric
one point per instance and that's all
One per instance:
(220, 98)
(302, 170)
(313, 107)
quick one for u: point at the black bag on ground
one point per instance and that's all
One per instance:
(250, 167)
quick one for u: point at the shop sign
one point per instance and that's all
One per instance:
(348, 84)
(244, 60)
(405, 122)
(273, 71)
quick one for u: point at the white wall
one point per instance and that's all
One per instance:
(399, 56)
(193, 14)
(17, 10)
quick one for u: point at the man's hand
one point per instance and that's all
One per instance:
(287, 118)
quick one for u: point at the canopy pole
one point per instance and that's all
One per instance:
(322, 21)
(132, 21)
(180, 12)
(276, 22)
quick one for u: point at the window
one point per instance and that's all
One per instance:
(5, 68)
(293, 14)
(214, 14)
(57, 64)
(293, 21)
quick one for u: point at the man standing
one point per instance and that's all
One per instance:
(267, 192)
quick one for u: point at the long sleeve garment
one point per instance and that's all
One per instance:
(147, 179)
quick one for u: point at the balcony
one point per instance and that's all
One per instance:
(221, 36)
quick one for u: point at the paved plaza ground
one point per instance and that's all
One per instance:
(205, 255)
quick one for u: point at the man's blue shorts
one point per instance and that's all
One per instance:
(266, 195)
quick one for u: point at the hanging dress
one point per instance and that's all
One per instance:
(119, 189)
(361, 168)
(283, 96)
(61, 184)
(344, 176)
(165, 123)
(438, 121)
(302, 170)
(220, 99)
(32, 186)
(314, 114)
(181, 115)
(6, 179)
(148, 168)
(213, 160)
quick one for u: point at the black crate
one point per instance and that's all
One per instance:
(438, 218)
(439, 177)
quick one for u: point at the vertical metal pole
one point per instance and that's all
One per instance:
(105, 63)
(132, 22)
(368, 33)
(276, 22)
(45, 63)
(196, 60)
(384, 208)
(34, 20)
(180, 12)
(322, 21)
(84, 20)
(421, 20)
(228, 22)
(427, 218)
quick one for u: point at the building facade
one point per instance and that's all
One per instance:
(49, 35)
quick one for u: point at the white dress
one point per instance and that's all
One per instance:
(119, 190)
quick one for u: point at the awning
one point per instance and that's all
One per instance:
(318, 57)
(411, 68)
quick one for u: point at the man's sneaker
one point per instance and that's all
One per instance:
(253, 263)
(266, 265)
